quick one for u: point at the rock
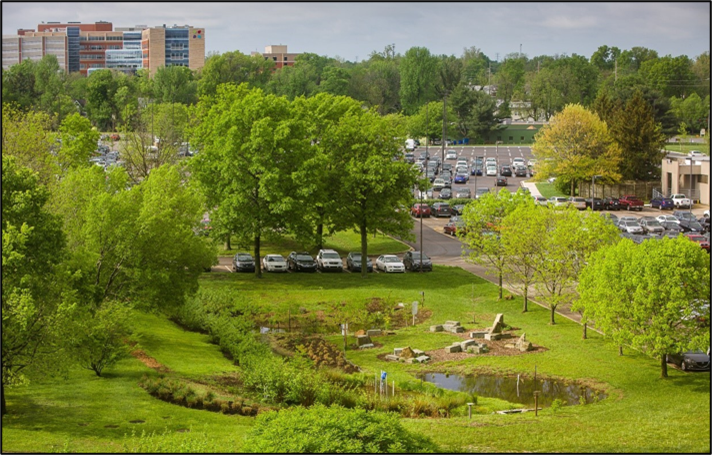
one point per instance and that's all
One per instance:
(418, 352)
(360, 333)
(373, 332)
(453, 348)
(498, 324)
(392, 357)
(455, 323)
(421, 359)
(459, 329)
(397, 351)
(478, 333)
(526, 346)
(366, 346)
(362, 340)
(407, 353)
(493, 336)
(510, 346)
(467, 343)
(436, 328)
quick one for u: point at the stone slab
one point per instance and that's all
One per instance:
(366, 346)
(453, 348)
(436, 328)
(362, 340)
(418, 352)
(467, 343)
(392, 357)
(452, 323)
(478, 333)
(493, 336)
(421, 359)
(373, 332)
(397, 351)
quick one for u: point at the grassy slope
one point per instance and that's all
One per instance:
(642, 414)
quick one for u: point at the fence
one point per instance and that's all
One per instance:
(644, 190)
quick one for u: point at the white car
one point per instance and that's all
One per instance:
(451, 155)
(540, 200)
(491, 171)
(531, 162)
(518, 162)
(668, 218)
(390, 263)
(438, 184)
(631, 227)
(681, 201)
(491, 160)
(558, 201)
(274, 263)
(329, 260)
(578, 202)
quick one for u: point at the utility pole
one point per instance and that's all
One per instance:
(520, 51)
(615, 73)
(442, 146)
(421, 192)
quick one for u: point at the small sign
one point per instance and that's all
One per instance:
(344, 329)
(415, 307)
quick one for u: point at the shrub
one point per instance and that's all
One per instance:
(333, 429)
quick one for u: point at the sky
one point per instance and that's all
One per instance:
(352, 31)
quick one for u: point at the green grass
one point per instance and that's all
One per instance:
(548, 190)
(686, 147)
(342, 242)
(642, 413)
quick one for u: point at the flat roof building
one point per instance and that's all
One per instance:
(278, 54)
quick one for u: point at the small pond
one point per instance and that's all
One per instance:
(505, 388)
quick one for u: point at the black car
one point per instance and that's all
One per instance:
(441, 209)
(671, 227)
(457, 209)
(505, 171)
(691, 360)
(594, 203)
(705, 222)
(447, 167)
(353, 262)
(301, 261)
(412, 261)
(501, 181)
(520, 171)
(692, 225)
(611, 203)
(446, 193)
(243, 262)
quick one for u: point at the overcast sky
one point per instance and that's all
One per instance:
(352, 31)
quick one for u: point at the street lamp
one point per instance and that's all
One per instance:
(593, 187)
(427, 156)
(690, 182)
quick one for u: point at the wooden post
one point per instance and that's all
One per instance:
(289, 320)
(469, 410)
(536, 403)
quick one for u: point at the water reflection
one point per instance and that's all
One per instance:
(506, 388)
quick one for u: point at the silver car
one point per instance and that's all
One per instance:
(631, 227)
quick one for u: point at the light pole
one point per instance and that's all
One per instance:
(593, 188)
(690, 183)
(421, 193)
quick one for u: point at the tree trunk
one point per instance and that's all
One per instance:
(584, 330)
(663, 367)
(4, 405)
(526, 293)
(500, 285)
(572, 188)
(620, 350)
(258, 262)
(228, 245)
(552, 315)
(364, 251)
(320, 236)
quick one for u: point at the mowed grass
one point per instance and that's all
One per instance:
(343, 242)
(686, 147)
(548, 190)
(642, 412)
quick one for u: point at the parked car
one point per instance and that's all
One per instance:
(476, 169)
(631, 202)
(457, 209)
(651, 226)
(390, 263)
(611, 203)
(518, 161)
(594, 203)
(451, 155)
(611, 217)
(438, 184)
(274, 263)
(491, 171)
(243, 262)
(463, 193)
(301, 261)
(692, 226)
(681, 201)
(420, 210)
(409, 157)
(520, 171)
(453, 227)
(353, 262)
(446, 193)
(684, 215)
(412, 261)
(662, 203)
(327, 260)
(701, 240)
(441, 209)
(505, 171)
(540, 200)
(501, 181)
(446, 167)
(558, 201)
(705, 222)
(480, 191)
(690, 360)
(668, 218)
(671, 227)
(578, 202)
(461, 178)
(630, 226)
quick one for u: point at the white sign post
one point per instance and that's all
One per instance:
(415, 310)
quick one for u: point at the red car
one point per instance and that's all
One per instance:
(420, 210)
(704, 243)
(453, 226)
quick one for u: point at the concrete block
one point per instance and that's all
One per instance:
(392, 357)
(478, 334)
(453, 348)
(467, 343)
(436, 328)
(418, 352)
(397, 351)
(373, 332)
(366, 346)
(421, 359)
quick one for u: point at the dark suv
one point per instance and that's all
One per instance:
(411, 261)
(243, 262)
(301, 262)
(611, 203)
(441, 209)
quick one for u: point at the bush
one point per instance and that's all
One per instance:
(322, 429)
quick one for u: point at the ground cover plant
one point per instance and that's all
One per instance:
(639, 414)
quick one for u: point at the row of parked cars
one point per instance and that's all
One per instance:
(328, 260)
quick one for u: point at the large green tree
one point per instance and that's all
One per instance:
(79, 141)
(418, 74)
(233, 67)
(250, 143)
(35, 299)
(651, 296)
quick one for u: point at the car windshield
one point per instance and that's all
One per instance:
(275, 259)
(244, 257)
(356, 256)
(304, 257)
(631, 223)
(390, 259)
(330, 256)
(416, 255)
(653, 223)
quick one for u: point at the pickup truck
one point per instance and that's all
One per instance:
(681, 201)
(630, 202)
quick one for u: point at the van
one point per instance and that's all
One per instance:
(410, 144)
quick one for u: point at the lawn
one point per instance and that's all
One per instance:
(342, 242)
(642, 413)
(548, 190)
(686, 147)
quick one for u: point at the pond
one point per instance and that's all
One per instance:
(506, 388)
